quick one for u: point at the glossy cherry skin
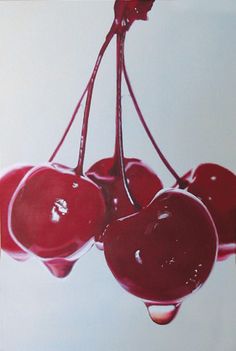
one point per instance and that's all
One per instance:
(142, 181)
(215, 186)
(55, 213)
(164, 252)
(9, 180)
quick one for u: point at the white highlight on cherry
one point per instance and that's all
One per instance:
(59, 209)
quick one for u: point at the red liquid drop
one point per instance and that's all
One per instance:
(9, 181)
(59, 267)
(162, 314)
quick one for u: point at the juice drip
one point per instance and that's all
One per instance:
(162, 314)
(59, 267)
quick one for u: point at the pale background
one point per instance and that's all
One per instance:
(183, 65)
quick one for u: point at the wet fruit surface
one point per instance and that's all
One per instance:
(143, 184)
(164, 252)
(160, 244)
(55, 213)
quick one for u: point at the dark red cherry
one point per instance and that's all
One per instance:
(142, 181)
(55, 213)
(215, 186)
(164, 252)
(9, 180)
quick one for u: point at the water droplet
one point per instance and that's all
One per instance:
(162, 314)
(99, 245)
(59, 267)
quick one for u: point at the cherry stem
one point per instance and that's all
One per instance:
(147, 130)
(84, 132)
(68, 126)
(89, 86)
(119, 150)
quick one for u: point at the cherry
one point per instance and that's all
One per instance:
(55, 213)
(215, 186)
(9, 180)
(160, 248)
(164, 252)
(143, 185)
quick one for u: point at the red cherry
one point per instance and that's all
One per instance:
(164, 252)
(142, 181)
(215, 186)
(55, 213)
(9, 180)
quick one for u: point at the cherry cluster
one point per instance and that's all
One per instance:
(160, 244)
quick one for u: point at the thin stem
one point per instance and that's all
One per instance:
(147, 130)
(84, 132)
(68, 126)
(88, 86)
(119, 151)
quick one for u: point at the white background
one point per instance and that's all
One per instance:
(182, 63)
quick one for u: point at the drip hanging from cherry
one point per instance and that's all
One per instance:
(160, 244)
